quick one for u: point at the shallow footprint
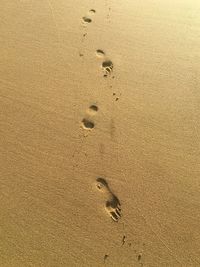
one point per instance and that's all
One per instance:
(112, 205)
(92, 110)
(92, 11)
(100, 53)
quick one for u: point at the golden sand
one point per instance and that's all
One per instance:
(99, 133)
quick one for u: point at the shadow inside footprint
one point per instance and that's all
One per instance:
(92, 11)
(101, 183)
(94, 108)
(87, 124)
(112, 206)
(87, 20)
(107, 66)
(100, 53)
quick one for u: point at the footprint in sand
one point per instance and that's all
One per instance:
(107, 65)
(112, 205)
(87, 19)
(88, 124)
(92, 11)
(100, 53)
(92, 110)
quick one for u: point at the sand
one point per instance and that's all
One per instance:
(99, 133)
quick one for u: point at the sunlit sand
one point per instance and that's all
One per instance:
(100, 133)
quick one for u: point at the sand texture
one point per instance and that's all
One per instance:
(99, 133)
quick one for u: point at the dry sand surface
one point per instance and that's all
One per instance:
(99, 133)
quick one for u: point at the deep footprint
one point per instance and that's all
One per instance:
(86, 20)
(112, 205)
(87, 124)
(107, 67)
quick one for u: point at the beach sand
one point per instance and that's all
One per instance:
(100, 133)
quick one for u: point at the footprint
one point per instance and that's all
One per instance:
(87, 124)
(92, 110)
(92, 11)
(107, 67)
(100, 53)
(86, 20)
(112, 206)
